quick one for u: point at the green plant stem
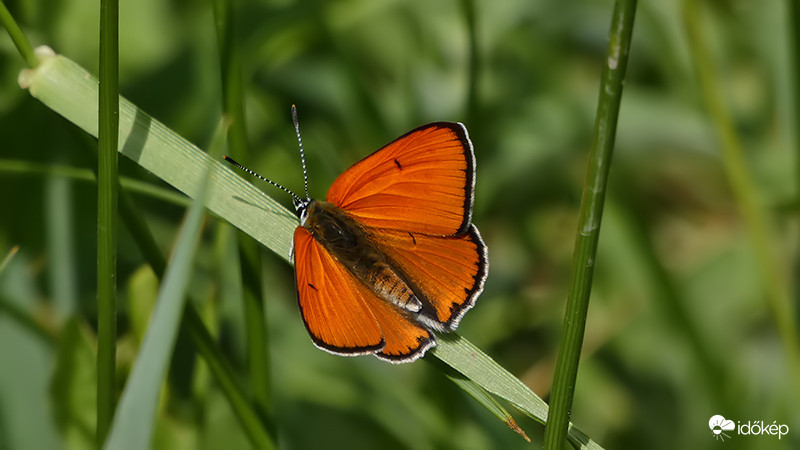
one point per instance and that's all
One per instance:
(589, 219)
(744, 190)
(20, 40)
(253, 301)
(107, 198)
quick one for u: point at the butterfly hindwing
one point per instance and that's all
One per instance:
(422, 182)
(405, 339)
(446, 273)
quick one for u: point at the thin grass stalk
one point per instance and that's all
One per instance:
(589, 219)
(107, 197)
(20, 40)
(745, 192)
(233, 111)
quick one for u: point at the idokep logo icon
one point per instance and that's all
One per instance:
(719, 425)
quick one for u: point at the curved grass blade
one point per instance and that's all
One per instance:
(479, 394)
(71, 91)
(461, 355)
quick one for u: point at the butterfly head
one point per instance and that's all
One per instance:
(301, 208)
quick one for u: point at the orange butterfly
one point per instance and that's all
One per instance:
(391, 254)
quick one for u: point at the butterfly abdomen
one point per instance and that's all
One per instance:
(346, 241)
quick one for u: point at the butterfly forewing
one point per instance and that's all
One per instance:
(421, 183)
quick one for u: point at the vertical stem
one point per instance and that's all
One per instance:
(107, 192)
(591, 212)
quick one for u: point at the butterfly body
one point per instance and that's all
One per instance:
(352, 247)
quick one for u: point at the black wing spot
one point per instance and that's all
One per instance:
(397, 163)
(313, 287)
(413, 239)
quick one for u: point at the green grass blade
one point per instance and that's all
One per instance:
(20, 40)
(71, 91)
(134, 422)
(479, 394)
(458, 353)
(590, 215)
(107, 200)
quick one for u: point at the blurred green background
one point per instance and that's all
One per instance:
(678, 329)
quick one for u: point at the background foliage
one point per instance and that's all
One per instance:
(678, 327)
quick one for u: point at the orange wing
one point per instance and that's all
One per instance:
(332, 302)
(446, 273)
(343, 316)
(405, 340)
(422, 182)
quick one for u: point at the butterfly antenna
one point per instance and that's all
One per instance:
(241, 167)
(300, 143)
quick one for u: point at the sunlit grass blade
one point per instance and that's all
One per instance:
(71, 91)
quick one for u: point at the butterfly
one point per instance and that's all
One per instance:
(391, 256)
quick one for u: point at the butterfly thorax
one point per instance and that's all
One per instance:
(352, 247)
